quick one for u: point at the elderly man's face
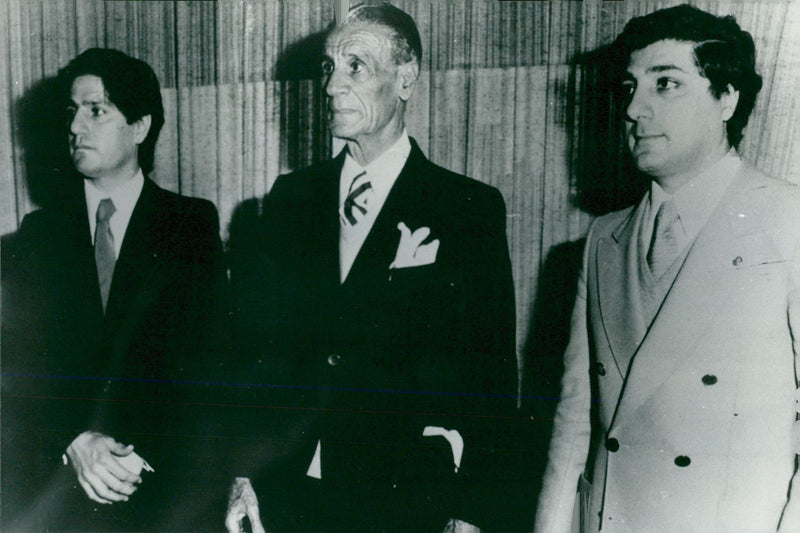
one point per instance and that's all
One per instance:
(675, 126)
(363, 83)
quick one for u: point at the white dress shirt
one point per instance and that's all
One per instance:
(695, 201)
(124, 197)
(382, 173)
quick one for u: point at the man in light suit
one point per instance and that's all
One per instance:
(114, 304)
(678, 405)
(375, 302)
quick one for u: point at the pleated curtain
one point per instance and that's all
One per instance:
(507, 95)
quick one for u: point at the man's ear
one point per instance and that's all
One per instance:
(729, 100)
(142, 128)
(408, 74)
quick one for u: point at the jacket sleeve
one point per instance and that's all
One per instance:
(790, 521)
(569, 444)
(491, 430)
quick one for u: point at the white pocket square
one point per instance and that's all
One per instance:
(411, 252)
(452, 436)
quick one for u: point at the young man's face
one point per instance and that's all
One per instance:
(363, 82)
(101, 142)
(674, 125)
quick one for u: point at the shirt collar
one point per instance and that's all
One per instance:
(697, 199)
(382, 171)
(124, 197)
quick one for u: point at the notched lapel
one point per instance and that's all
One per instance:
(139, 253)
(323, 227)
(78, 249)
(620, 306)
(82, 248)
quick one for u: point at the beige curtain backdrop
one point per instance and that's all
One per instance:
(505, 96)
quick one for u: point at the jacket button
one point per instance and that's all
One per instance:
(334, 359)
(682, 461)
(612, 444)
(600, 369)
(709, 379)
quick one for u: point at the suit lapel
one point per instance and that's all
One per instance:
(620, 303)
(139, 252)
(324, 221)
(706, 281)
(78, 243)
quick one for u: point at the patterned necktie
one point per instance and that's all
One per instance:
(356, 204)
(104, 255)
(664, 244)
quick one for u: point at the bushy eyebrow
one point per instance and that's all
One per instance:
(664, 68)
(352, 56)
(656, 69)
(89, 101)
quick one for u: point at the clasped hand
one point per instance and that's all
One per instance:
(95, 458)
(242, 501)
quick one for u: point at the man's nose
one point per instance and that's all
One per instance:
(77, 123)
(639, 105)
(337, 82)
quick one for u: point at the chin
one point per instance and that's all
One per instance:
(346, 129)
(88, 171)
(344, 133)
(339, 132)
(648, 164)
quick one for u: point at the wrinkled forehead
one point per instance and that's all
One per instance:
(359, 38)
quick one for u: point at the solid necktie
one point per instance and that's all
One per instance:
(664, 243)
(104, 255)
(356, 204)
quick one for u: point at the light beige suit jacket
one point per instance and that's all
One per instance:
(694, 416)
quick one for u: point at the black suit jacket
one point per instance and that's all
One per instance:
(136, 374)
(366, 365)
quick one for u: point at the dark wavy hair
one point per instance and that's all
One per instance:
(406, 43)
(131, 85)
(724, 53)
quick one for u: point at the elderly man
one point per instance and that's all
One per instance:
(113, 301)
(375, 303)
(682, 333)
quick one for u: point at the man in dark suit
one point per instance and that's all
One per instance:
(114, 304)
(375, 304)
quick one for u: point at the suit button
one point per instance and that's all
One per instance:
(600, 369)
(709, 379)
(612, 444)
(682, 461)
(334, 359)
